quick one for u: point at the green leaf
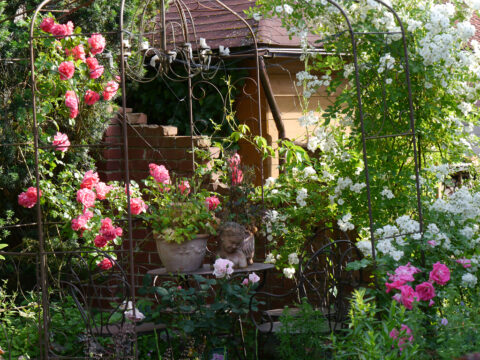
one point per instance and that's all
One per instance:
(359, 264)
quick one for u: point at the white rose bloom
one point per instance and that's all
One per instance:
(469, 280)
(270, 259)
(289, 272)
(293, 259)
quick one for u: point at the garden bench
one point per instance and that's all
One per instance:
(322, 280)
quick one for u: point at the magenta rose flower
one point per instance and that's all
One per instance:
(105, 264)
(60, 141)
(159, 173)
(439, 274)
(394, 334)
(184, 187)
(78, 52)
(47, 24)
(212, 202)
(397, 284)
(86, 197)
(90, 179)
(28, 198)
(66, 70)
(425, 291)
(97, 44)
(404, 273)
(234, 161)
(102, 190)
(91, 97)
(137, 206)
(100, 241)
(466, 263)
(110, 90)
(408, 296)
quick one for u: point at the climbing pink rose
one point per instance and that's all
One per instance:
(439, 274)
(78, 52)
(62, 30)
(408, 296)
(108, 230)
(66, 70)
(100, 241)
(212, 202)
(47, 24)
(234, 161)
(28, 198)
(102, 190)
(237, 176)
(60, 141)
(137, 206)
(105, 264)
(425, 291)
(90, 179)
(71, 100)
(184, 187)
(466, 263)
(110, 90)
(73, 113)
(97, 72)
(159, 173)
(404, 273)
(91, 97)
(97, 44)
(79, 223)
(86, 197)
(91, 62)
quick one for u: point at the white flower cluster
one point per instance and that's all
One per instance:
(440, 171)
(462, 203)
(274, 224)
(407, 225)
(308, 119)
(344, 223)
(365, 246)
(386, 63)
(309, 173)
(311, 82)
(270, 182)
(272, 259)
(387, 241)
(289, 272)
(287, 8)
(293, 259)
(469, 280)
(387, 193)
(322, 139)
(302, 194)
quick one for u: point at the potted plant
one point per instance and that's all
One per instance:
(182, 216)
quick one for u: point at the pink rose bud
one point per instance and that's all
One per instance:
(105, 264)
(66, 70)
(212, 202)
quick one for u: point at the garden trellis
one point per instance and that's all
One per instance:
(162, 38)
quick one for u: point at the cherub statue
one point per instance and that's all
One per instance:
(236, 244)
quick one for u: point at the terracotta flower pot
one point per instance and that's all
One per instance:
(187, 256)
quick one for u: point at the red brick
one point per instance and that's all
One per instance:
(142, 257)
(136, 153)
(138, 165)
(114, 176)
(136, 118)
(162, 141)
(184, 165)
(135, 141)
(139, 233)
(172, 154)
(184, 142)
(114, 130)
(110, 165)
(115, 153)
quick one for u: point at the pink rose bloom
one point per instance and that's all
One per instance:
(431, 303)
(440, 274)
(78, 52)
(79, 223)
(159, 173)
(137, 206)
(253, 278)
(71, 100)
(408, 296)
(102, 190)
(97, 44)
(66, 70)
(212, 202)
(60, 141)
(97, 72)
(466, 263)
(110, 90)
(222, 268)
(47, 24)
(86, 197)
(100, 241)
(432, 243)
(397, 284)
(73, 113)
(87, 214)
(184, 187)
(245, 282)
(28, 198)
(91, 62)
(108, 231)
(62, 30)
(404, 273)
(91, 97)
(237, 176)
(234, 161)
(90, 179)
(105, 264)
(425, 291)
